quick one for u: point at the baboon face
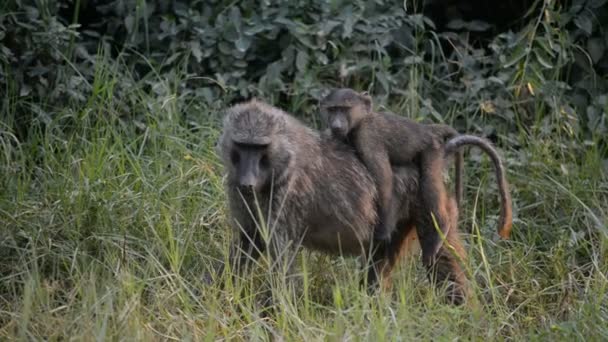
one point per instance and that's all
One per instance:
(251, 163)
(338, 120)
(343, 109)
(253, 147)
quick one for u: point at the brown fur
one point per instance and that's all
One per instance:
(320, 196)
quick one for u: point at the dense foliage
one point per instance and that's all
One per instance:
(296, 49)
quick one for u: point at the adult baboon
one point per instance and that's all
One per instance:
(317, 194)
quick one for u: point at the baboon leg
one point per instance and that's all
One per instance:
(281, 267)
(446, 266)
(373, 262)
(407, 244)
(247, 248)
(282, 251)
(434, 203)
(386, 254)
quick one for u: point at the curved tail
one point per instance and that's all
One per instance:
(445, 132)
(506, 209)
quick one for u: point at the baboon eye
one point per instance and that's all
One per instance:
(264, 162)
(234, 157)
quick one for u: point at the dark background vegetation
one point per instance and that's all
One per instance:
(470, 58)
(111, 201)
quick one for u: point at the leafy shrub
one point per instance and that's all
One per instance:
(33, 44)
(294, 50)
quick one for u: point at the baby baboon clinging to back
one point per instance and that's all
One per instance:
(383, 139)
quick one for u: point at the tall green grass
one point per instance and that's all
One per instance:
(111, 228)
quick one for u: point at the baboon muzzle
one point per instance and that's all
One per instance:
(249, 173)
(248, 181)
(338, 126)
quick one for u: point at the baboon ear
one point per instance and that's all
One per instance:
(367, 100)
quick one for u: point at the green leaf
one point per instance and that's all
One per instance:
(596, 49)
(321, 58)
(231, 34)
(328, 26)
(456, 24)
(478, 26)
(255, 29)
(429, 22)
(545, 43)
(473, 25)
(129, 23)
(301, 60)
(240, 64)
(235, 17)
(542, 58)
(583, 22)
(349, 22)
(224, 48)
(383, 80)
(517, 55)
(195, 49)
(288, 23)
(243, 43)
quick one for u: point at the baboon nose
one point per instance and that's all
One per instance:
(248, 181)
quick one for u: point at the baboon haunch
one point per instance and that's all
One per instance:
(319, 194)
(384, 139)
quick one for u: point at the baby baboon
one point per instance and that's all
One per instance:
(317, 193)
(384, 139)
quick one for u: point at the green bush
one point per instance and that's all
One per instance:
(290, 52)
